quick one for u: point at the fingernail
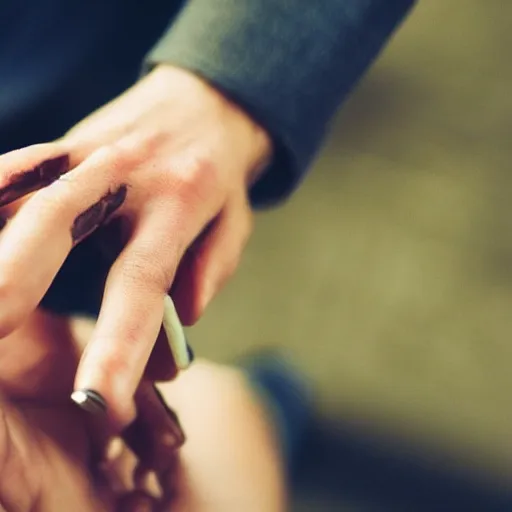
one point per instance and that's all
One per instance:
(29, 181)
(190, 353)
(156, 433)
(90, 401)
(92, 218)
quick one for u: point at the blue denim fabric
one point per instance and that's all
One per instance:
(285, 394)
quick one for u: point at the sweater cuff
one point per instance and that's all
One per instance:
(287, 64)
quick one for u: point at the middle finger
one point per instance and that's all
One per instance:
(37, 240)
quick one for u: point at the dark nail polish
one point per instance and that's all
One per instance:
(190, 352)
(90, 401)
(92, 218)
(34, 179)
(156, 433)
(53, 169)
(87, 221)
(114, 201)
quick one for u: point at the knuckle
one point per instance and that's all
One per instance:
(125, 155)
(120, 161)
(119, 157)
(144, 143)
(197, 180)
(114, 364)
(54, 197)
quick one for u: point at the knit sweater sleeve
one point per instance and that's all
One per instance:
(288, 63)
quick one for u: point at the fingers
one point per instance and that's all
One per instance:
(37, 240)
(133, 303)
(153, 439)
(129, 322)
(35, 243)
(30, 169)
(212, 260)
(156, 433)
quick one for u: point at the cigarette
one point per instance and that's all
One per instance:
(176, 335)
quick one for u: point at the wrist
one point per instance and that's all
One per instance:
(253, 141)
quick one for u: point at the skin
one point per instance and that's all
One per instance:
(181, 158)
(229, 462)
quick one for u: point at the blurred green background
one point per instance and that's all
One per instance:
(389, 274)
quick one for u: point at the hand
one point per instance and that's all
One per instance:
(229, 463)
(45, 444)
(172, 159)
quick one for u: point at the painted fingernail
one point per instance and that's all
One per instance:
(156, 433)
(90, 401)
(29, 181)
(90, 219)
(190, 353)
